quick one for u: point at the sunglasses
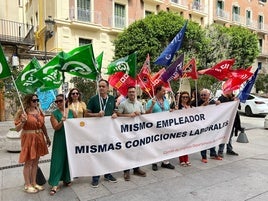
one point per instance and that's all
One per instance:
(58, 101)
(75, 93)
(35, 100)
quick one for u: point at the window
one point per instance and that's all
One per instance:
(259, 65)
(196, 4)
(83, 41)
(220, 4)
(83, 10)
(236, 13)
(248, 17)
(220, 8)
(148, 13)
(260, 22)
(260, 45)
(119, 15)
(20, 3)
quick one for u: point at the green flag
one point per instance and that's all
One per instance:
(49, 74)
(99, 62)
(4, 68)
(126, 64)
(25, 81)
(81, 62)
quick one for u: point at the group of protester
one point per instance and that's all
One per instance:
(35, 140)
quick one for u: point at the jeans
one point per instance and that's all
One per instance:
(96, 178)
(212, 153)
(229, 146)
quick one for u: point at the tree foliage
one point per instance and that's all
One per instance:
(243, 46)
(261, 83)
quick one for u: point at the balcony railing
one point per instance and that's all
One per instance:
(236, 17)
(222, 14)
(196, 6)
(119, 22)
(180, 2)
(85, 15)
(16, 32)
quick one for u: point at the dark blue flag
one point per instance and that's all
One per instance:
(174, 70)
(167, 55)
(243, 95)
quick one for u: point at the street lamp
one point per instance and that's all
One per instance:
(48, 33)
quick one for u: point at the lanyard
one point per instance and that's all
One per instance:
(161, 105)
(102, 103)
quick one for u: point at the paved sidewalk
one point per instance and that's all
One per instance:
(235, 178)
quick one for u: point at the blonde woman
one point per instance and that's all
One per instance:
(75, 103)
(33, 143)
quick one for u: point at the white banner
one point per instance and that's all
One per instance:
(104, 145)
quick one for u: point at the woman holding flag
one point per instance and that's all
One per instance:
(31, 121)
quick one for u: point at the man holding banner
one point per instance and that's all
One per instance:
(101, 105)
(131, 107)
(159, 104)
(227, 97)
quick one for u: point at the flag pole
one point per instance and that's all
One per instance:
(63, 82)
(23, 109)
(196, 92)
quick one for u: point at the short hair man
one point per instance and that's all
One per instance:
(131, 107)
(101, 105)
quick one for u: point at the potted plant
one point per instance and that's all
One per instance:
(12, 143)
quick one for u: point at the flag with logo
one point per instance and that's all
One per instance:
(121, 81)
(237, 78)
(167, 55)
(189, 70)
(81, 62)
(156, 80)
(144, 77)
(174, 70)
(26, 82)
(4, 68)
(220, 71)
(243, 95)
(49, 74)
(125, 64)
(46, 98)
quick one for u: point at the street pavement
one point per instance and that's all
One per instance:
(235, 178)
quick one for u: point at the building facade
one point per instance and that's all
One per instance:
(78, 22)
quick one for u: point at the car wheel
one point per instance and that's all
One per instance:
(248, 111)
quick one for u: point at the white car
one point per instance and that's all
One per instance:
(255, 105)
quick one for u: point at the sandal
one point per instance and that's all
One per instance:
(38, 187)
(68, 184)
(54, 190)
(188, 163)
(183, 164)
(30, 189)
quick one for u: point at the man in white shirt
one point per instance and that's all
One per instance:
(131, 107)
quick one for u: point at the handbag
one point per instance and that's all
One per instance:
(40, 178)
